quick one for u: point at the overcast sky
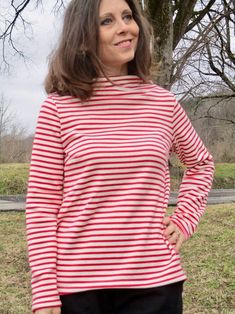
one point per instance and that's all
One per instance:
(23, 88)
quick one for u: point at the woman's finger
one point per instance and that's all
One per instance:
(170, 228)
(173, 234)
(173, 238)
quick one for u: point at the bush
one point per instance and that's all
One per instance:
(13, 179)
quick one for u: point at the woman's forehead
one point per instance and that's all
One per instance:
(108, 6)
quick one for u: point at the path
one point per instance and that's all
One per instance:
(17, 203)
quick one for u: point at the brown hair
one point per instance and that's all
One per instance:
(75, 63)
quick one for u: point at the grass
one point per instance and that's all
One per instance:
(207, 257)
(15, 277)
(224, 175)
(13, 177)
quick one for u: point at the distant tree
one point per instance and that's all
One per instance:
(214, 119)
(6, 118)
(15, 144)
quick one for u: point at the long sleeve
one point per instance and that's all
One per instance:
(197, 179)
(43, 202)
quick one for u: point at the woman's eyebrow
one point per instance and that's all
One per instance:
(105, 15)
(108, 14)
(127, 11)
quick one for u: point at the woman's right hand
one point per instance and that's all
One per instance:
(53, 310)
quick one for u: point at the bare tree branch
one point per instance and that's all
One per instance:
(59, 6)
(199, 16)
(183, 16)
(182, 62)
(11, 24)
(218, 71)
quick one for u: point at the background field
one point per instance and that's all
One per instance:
(13, 177)
(207, 257)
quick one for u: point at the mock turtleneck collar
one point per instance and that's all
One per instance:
(122, 81)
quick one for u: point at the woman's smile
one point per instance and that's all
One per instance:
(125, 43)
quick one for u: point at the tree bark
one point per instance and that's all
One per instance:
(161, 15)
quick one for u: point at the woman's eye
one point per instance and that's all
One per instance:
(106, 21)
(128, 17)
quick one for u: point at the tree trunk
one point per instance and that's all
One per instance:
(161, 15)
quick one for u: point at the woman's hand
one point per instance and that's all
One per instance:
(53, 310)
(173, 234)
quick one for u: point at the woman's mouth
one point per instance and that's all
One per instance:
(124, 43)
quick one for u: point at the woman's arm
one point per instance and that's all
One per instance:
(198, 176)
(44, 197)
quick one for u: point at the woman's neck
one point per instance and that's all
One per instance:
(111, 71)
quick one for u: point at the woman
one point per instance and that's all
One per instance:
(99, 241)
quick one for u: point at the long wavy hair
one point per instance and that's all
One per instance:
(75, 64)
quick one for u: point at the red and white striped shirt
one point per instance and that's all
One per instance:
(99, 189)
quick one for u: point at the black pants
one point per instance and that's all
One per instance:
(161, 300)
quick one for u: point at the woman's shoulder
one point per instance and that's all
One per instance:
(160, 92)
(54, 102)
(161, 89)
(56, 97)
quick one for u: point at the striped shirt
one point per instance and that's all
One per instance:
(99, 188)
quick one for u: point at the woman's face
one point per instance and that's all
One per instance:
(118, 36)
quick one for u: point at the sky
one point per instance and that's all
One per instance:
(23, 87)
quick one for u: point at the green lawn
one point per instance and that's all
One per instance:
(224, 175)
(207, 257)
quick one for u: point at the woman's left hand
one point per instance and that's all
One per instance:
(173, 234)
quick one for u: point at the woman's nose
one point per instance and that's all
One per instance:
(122, 27)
